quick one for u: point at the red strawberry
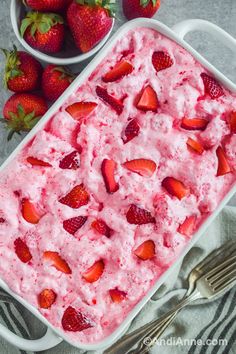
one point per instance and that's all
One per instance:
(22, 71)
(131, 130)
(44, 32)
(143, 167)
(101, 227)
(146, 250)
(115, 104)
(75, 321)
(79, 110)
(117, 295)
(148, 100)
(194, 123)
(77, 197)
(55, 80)
(29, 212)
(89, 22)
(212, 87)
(232, 122)
(94, 272)
(161, 60)
(195, 146)
(46, 298)
(71, 161)
(140, 8)
(138, 216)
(175, 187)
(188, 226)
(22, 250)
(22, 111)
(121, 69)
(108, 172)
(2, 220)
(36, 162)
(59, 263)
(223, 164)
(48, 5)
(74, 224)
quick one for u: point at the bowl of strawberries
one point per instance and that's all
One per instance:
(62, 32)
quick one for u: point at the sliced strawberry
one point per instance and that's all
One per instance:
(77, 197)
(75, 321)
(71, 161)
(223, 164)
(194, 123)
(117, 295)
(161, 60)
(120, 70)
(139, 216)
(79, 110)
(108, 173)
(146, 250)
(74, 224)
(195, 146)
(101, 227)
(148, 100)
(59, 263)
(115, 104)
(29, 212)
(188, 226)
(131, 131)
(2, 220)
(175, 187)
(36, 162)
(94, 272)
(46, 298)
(212, 87)
(143, 167)
(22, 250)
(232, 122)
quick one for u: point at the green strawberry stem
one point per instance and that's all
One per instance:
(144, 3)
(109, 5)
(12, 65)
(41, 22)
(65, 73)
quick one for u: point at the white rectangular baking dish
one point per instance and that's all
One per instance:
(54, 336)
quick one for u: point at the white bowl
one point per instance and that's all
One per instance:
(70, 55)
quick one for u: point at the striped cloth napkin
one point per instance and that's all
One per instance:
(202, 328)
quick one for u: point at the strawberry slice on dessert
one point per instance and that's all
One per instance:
(175, 187)
(22, 250)
(195, 146)
(101, 227)
(143, 167)
(139, 216)
(223, 164)
(188, 226)
(36, 162)
(161, 60)
(70, 161)
(94, 272)
(76, 198)
(74, 224)
(79, 110)
(131, 130)
(194, 123)
(146, 250)
(113, 102)
(108, 172)
(212, 87)
(29, 212)
(46, 298)
(75, 321)
(57, 261)
(121, 69)
(117, 295)
(232, 122)
(148, 100)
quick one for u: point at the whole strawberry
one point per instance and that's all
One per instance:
(22, 111)
(89, 22)
(55, 81)
(43, 31)
(48, 5)
(22, 71)
(140, 8)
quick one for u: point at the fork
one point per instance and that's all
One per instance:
(127, 341)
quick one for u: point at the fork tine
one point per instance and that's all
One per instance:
(225, 284)
(220, 267)
(222, 272)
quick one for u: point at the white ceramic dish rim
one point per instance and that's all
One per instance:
(54, 335)
(14, 14)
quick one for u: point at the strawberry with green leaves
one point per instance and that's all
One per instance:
(47, 5)
(43, 31)
(140, 8)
